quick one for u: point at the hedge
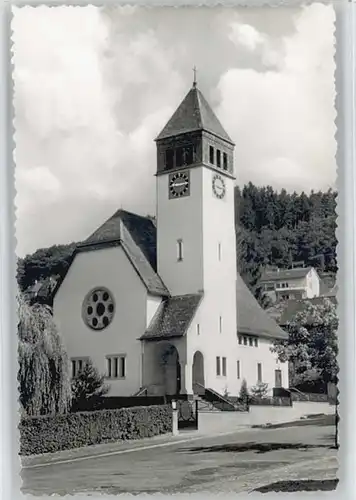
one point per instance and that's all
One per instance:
(46, 434)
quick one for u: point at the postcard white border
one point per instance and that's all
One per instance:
(346, 233)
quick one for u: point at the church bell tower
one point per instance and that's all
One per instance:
(196, 243)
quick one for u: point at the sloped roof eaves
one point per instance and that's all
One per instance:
(193, 113)
(151, 279)
(251, 318)
(154, 284)
(173, 317)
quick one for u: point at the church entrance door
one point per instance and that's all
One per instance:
(172, 371)
(198, 373)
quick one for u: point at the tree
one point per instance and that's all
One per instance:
(43, 263)
(244, 394)
(43, 377)
(88, 388)
(260, 390)
(312, 342)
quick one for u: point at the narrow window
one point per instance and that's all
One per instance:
(245, 340)
(187, 155)
(225, 161)
(179, 250)
(116, 366)
(169, 159)
(240, 339)
(259, 372)
(250, 341)
(211, 154)
(218, 157)
(122, 372)
(219, 251)
(220, 324)
(224, 367)
(218, 372)
(179, 157)
(77, 365)
(255, 342)
(238, 369)
(198, 329)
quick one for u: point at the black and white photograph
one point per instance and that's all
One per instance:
(176, 214)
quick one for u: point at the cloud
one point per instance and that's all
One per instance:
(286, 125)
(93, 87)
(246, 35)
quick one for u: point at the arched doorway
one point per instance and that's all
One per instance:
(198, 373)
(172, 370)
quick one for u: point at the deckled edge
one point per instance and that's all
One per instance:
(9, 405)
(10, 434)
(174, 3)
(346, 234)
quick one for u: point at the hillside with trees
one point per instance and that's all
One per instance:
(278, 228)
(272, 228)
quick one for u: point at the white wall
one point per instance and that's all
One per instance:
(180, 218)
(250, 356)
(108, 268)
(153, 303)
(313, 281)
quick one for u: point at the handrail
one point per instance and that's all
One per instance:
(141, 392)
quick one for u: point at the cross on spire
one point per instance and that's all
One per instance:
(195, 76)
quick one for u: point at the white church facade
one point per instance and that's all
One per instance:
(159, 305)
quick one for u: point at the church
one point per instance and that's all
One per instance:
(157, 304)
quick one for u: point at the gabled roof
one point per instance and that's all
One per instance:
(194, 114)
(173, 317)
(137, 237)
(283, 274)
(251, 318)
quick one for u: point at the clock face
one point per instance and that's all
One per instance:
(219, 188)
(179, 184)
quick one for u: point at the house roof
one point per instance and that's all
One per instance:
(137, 236)
(251, 318)
(282, 274)
(173, 317)
(293, 307)
(194, 114)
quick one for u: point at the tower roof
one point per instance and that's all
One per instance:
(194, 114)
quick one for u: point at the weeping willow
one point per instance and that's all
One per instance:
(43, 376)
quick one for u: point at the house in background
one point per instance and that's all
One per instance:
(42, 290)
(160, 306)
(290, 284)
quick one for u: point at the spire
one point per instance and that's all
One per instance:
(192, 115)
(195, 77)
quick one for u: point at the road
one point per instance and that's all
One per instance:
(231, 463)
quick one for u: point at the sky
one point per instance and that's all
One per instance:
(94, 87)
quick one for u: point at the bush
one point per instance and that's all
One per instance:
(47, 434)
(260, 390)
(88, 388)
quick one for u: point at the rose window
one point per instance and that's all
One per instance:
(98, 309)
